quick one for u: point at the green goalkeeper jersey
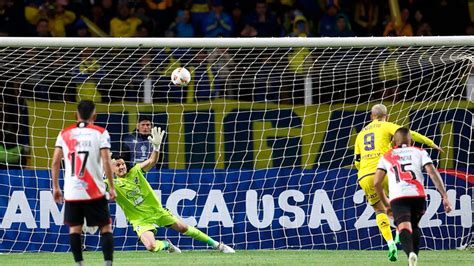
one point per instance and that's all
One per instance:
(136, 197)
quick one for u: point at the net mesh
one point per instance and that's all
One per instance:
(259, 146)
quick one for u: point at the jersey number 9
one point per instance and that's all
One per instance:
(369, 139)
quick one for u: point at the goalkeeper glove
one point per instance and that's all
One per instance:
(156, 138)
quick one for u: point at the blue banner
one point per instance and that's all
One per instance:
(248, 209)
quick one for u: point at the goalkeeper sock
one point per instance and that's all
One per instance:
(384, 226)
(107, 241)
(407, 241)
(200, 236)
(76, 247)
(161, 245)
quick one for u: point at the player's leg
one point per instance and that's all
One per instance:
(97, 214)
(402, 214)
(76, 243)
(74, 217)
(146, 233)
(193, 233)
(151, 244)
(197, 234)
(383, 222)
(418, 210)
(107, 243)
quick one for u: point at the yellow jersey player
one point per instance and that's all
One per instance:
(372, 142)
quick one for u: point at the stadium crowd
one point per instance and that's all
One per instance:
(228, 18)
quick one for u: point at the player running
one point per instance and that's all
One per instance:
(144, 210)
(403, 166)
(85, 148)
(371, 143)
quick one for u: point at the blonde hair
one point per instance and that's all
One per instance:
(379, 111)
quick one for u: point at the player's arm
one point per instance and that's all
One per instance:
(357, 153)
(415, 136)
(156, 139)
(107, 163)
(425, 140)
(436, 178)
(55, 166)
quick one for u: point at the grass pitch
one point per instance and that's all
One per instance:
(261, 257)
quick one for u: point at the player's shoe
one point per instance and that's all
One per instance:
(392, 252)
(412, 259)
(224, 248)
(172, 248)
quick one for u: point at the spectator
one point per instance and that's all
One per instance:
(140, 11)
(161, 11)
(124, 25)
(12, 18)
(42, 28)
(142, 31)
(182, 27)
(300, 27)
(238, 19)
(204, 83)
(136, 148)
(81, 29)
(218, 23)
(199, 12)
(328, 22)
(222, 65)
(424, 30)
(14, 134)
(98, 18)
(87, 75)
(342, 27)
(109, 11)
(405, 29)
(366, 16)
(421, 27)
(261, 22)
(56, 14)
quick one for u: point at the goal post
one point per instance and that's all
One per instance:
(259, 146)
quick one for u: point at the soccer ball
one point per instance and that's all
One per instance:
(181, 76)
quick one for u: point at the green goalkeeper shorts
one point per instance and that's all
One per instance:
(162, 219)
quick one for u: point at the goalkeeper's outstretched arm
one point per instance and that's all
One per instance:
(156, 139)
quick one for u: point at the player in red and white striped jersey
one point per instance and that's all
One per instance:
(86, 151)
(403, 165)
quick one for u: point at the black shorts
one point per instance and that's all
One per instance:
(95, 211)
(408, 210)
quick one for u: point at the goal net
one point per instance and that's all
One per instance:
(259, 146)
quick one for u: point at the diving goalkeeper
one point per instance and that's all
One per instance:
(372, 142)
(144, 210)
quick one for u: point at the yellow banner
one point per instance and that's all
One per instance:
(257, 135)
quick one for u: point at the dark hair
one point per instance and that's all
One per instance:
(401, 136)
(144, 117)
(402, 130)
(117, 156)
(85, 108)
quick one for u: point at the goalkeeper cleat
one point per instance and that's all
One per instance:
(172, 248)
(412, 259)
(392, 252)
(224, 248)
